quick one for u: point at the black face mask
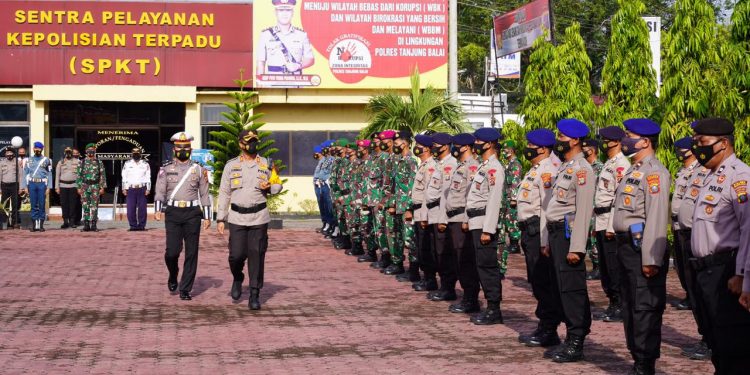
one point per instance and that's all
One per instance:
(251, 148)
(316, 156)
(562, 148)
(417, 151)
(436, 150)
(38, 153)
(383, 146)
(628, 145)
(136, 156)
(90, 153)
(398, 149)
(587, 154)
(682, 155)
(77, 156)
(479, 149)
(68, 155)
(21, 156)
(360, 154)
(456, 151)
(604, 147)
(9, 157)
(530, 153)
(706, 153)
(182, 155)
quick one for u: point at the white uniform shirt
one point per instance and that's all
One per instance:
(136, 173)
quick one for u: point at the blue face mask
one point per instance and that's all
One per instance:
(628, 146)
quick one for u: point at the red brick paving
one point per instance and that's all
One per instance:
(97, 303)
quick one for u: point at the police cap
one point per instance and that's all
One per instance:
(642, 126)
(487, 135)
(573, 128)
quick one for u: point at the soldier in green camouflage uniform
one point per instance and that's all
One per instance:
(337, 186)
(352, 202)
(401, 238)
(367, 211)
(508, 224)
(91, 182)
(591, 153)
(378, 182)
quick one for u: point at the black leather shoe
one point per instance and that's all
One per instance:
(464, 307)
(404, 278)
(551, 352)
(394, 269)
(643, 368)
(426, 286)
(86, 226)
(513, 247)
(525, 337)
(41, 226)
(172, 285)
(185, 296)
(65, 224)
(236, 289)
(377, 265)
(356, 250)
(544, 339)
(444, 295)
(604, 314)
(683, 305)
(701, 353)
(492, 315)
(572, 351)
(367, 258)
(615, 316)
(254, 302)
(93, 226)
(594, 274)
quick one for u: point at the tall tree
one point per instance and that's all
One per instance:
(423, 109)
(689, 68)
(539, 82)
(628, 79)
(471, 59)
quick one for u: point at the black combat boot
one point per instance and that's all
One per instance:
(66, 224)
(595, 274)
(615, 314)
(395, 269)
(412, 274)
(513, 248)
(442, 295)
(86, 226)
(236, 289)
(544, 338)
(369, 257)
(572, 351)
(425, 285)
(34, 227)
(643, 367)
(346, 242)
(525, 337)
(93, 226)
(254, 303)
(492, 315)
(466, 306)
(41, 226)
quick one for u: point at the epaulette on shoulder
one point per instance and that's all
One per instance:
(166, 163)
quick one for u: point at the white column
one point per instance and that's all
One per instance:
(453, 47)
(38, 129)
(193, 122)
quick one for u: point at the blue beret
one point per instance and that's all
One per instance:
(38, 145)
(642, 126)
(424, 140)
(327, 143)
(441, 138)
(541, 137)
(318, 149)
(487, 134)
(463, 139)
(684, 143)
(573, 128)
(612, 133)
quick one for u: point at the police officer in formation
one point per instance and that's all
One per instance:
(610, 177)
(11, 171)
(181, 195)
(245, 184)
(38, 176)
(136, 185)
(720, 247)
(591, 154)
(417, 215)
(66, 175)
(687, 185)
(91, 181)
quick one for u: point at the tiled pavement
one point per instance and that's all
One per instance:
(74, 302)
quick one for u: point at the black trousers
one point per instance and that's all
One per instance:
(465, 261)
(442, 250)
(683, 237)
(681, 261)
(609, 266)
(9, 190)
(248, 243)
(539, 274)
(570, 281)
(79, 211)
(68, 199)
(427, 261)
(488, 268)
(643, 301)
(727, 324)
(182, 225)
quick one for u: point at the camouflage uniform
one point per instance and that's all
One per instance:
(592, 248)
(508, 224)
(91, 178)
(366, 213)
(340, 182)
(404, 169)
(377, 197)
(352, 200)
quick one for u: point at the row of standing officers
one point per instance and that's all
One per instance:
(442, 216)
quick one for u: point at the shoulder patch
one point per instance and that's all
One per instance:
(653, 183)
(166, 163)
(547, 180)
(581, 175)
(740, 188)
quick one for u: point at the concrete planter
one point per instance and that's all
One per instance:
(276, 224)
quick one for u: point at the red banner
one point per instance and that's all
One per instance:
(517, 30)
(124, 43)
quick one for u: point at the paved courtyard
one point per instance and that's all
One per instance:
(73, 302)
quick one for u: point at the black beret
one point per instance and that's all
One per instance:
(404, 134)
(612, 133)
(590, 142)
(713, 126)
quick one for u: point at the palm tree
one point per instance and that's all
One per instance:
(421, 110)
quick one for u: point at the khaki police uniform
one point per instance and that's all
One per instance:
(277, 48)
(640, 222)
(420, 214)
(436, 196)
(9, 184)
(65, 180)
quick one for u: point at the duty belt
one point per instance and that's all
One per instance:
(9, 184)
(623, 236)
(416, 206)
(39, 180)
(715, 259)
(557, 225)
(433, 204)
(675, 218)
(248, 210)
(524, 225)
(184, 204)
(136, 186)
(455, 212)
(67, 181)
(476, 212)
(602, 210)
